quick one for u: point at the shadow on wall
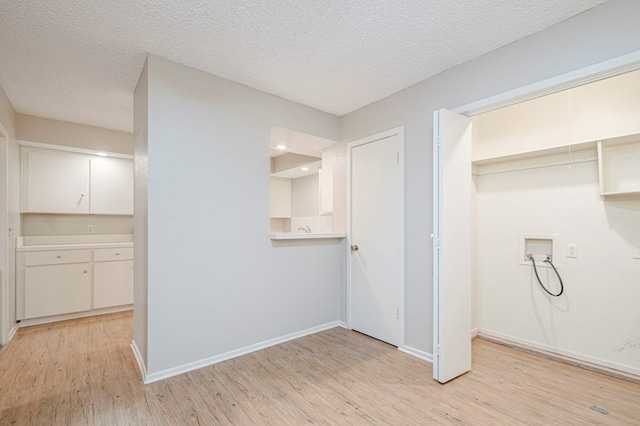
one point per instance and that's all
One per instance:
(623, 217)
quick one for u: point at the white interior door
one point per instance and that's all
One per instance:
(452, 232)
(376, 230)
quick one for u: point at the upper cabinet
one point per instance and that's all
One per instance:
(111, 185)
(54, 181)
(71, 183)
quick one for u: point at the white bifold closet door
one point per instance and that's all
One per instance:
(452, 204)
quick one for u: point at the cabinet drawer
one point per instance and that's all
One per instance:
(106, 255)
(56, 257)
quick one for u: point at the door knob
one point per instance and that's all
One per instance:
(354, 247)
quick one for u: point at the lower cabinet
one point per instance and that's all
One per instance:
(57, 289)
(112, 277)
(59, 282)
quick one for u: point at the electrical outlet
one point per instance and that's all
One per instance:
(89, 229)
(572, 250)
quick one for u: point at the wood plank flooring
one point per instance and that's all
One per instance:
(83, 372)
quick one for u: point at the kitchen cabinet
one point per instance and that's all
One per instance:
(280, 191)
(64, 182)
(62, 283)
(54, 181)
(55, 283)
(326, 182)
(111, 188)
(112, 277)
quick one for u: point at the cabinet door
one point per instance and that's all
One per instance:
(54, 182)
(112, 283)
(280, 197)
(111, 186)
(57, 289)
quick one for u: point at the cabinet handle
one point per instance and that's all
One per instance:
(82, 194)
(59, 256)
(84, 272)
(117, 254)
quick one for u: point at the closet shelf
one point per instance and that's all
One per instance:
(619, 168)
(558, 155)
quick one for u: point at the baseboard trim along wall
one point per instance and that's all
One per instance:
(425, 356)
(141, 365)
(185, 368)
(588, 363)
(12, 332)
(75, 315)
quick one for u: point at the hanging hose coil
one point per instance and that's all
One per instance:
(535, 270)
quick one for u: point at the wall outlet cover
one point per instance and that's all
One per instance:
(572, 250)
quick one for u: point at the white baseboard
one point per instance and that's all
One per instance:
(185, 368)
(474, 333)
(139, 360)
(343, 324)
(574, 358)
(75, 315)
(425, 356)
(12, 332)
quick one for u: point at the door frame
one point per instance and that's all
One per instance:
(398, 131)
(4, 229)
(589, 74)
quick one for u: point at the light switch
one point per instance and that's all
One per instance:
(89, 229)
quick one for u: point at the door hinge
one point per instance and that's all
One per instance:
(397, 158)
(438, 350)
(397, 313)
(438, 140)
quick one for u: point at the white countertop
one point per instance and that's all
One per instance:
(73, 246)
(66, 242)
(302, 236)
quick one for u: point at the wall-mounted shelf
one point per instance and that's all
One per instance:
(551, 156)
(619, 168)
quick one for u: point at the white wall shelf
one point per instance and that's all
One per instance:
(558, 155)
(619, 168)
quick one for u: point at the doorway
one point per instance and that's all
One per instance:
(376, 236)
(571, 80)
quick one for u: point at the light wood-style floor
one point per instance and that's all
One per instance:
(83, 372)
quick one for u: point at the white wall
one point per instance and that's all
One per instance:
(74, 224)
(7, 119)
(305, 195)
(596, 319)
(602, 33)
(44, 130)
(140, 216)
(216, 282)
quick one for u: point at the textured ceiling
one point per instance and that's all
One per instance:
(79, 60)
